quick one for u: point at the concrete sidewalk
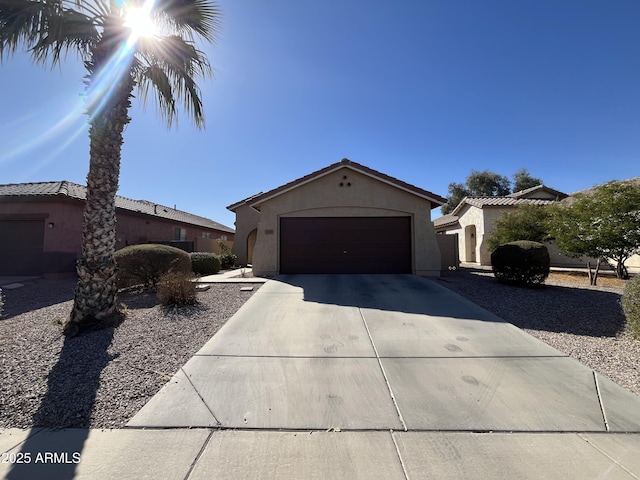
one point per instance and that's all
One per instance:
(359, 376)
(232, 276)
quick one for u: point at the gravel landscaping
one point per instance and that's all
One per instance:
(584, 322)
(100, 380)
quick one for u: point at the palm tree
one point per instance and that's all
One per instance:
(119, 60)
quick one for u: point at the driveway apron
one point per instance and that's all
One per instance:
(413, 368)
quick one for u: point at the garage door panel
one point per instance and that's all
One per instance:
(345, 245)
(21, 245)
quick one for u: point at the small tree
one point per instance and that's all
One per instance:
(603, 224)
(526, 222)
(488, 184)
(523, 180)
(457, 192)
(478, 184)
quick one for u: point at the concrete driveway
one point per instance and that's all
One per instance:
(392, 376)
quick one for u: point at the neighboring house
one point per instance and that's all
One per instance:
(474, 218)
(41, 227)
(344, 218)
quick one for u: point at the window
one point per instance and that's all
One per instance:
(223, 237)
(180, 234)
(206, 234)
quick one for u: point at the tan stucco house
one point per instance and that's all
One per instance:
(344, 218)
(474, 218)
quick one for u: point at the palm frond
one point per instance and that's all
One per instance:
(154, 76)
(21, 22)
(181, 63)
(45, 28)
(71, 30)
(189, 17)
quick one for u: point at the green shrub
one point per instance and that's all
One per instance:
(521, 263)
(176, 289)
(145, 264)
(204, 263)
(228, 260)
(631, 306)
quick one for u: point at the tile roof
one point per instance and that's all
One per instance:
(588, 191)
(436, 200)
(538, 188)
(482, 202)
(445, 221)
(234, 206)
(78, 192)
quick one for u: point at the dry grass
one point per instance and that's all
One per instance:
(604, 280)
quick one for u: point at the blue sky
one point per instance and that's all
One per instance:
(424, 91)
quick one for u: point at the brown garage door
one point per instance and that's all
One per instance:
(21, 243)
(345, 245)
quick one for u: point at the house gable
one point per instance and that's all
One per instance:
(474, 218)
(330, 196)
(345, 164)
(539, 192)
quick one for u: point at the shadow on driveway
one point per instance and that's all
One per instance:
(579, 311)
(386, 292)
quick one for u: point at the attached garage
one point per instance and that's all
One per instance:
(21, 247)
(345, 245)
(344, 218)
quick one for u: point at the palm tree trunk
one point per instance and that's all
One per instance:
(95, 295)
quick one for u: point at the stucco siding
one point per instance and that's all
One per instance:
(359, 195)
(541, 195)
(489, 225)
(63, 230)
(247, 219)
(470, 216)
(633, 264)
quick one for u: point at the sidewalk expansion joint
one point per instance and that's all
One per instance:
(616, 462)
(200, 396)
(395, 444)
(197, 458)
(384, 374)
(604, 415)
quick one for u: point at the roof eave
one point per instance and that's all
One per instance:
(434, 200)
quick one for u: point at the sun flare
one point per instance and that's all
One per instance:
(140, 22)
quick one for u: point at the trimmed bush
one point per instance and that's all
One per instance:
(631, 306)
(145, 264)
(176, 289)
(521, 263)
(228, 260)
(204, 263)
